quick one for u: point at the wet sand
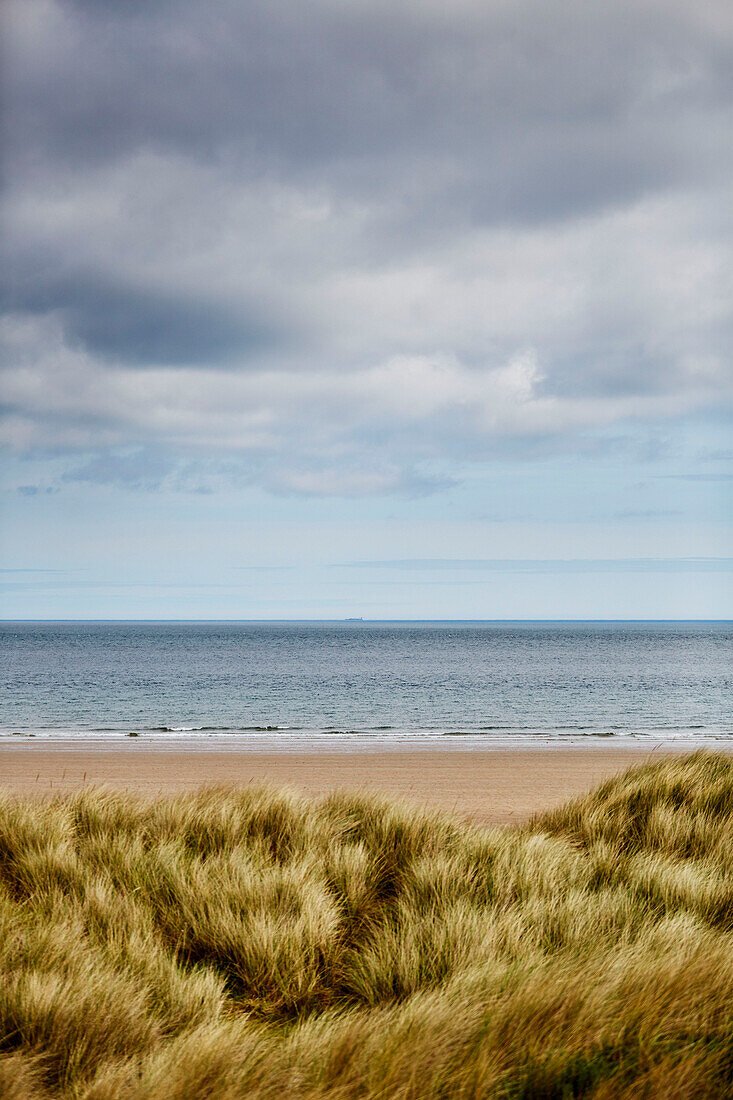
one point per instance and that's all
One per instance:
(496, 786)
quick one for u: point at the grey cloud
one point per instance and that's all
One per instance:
(546, 108)
(696, 477)
(360, 238)
(551, 565)
(264, 568)
(715, 455)
(140, 325)
(106, 585)
(647, 513)
(149, 469)
(298, 478)
(35, 490)
(137, 470)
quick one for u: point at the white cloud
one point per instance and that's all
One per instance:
(416, 407)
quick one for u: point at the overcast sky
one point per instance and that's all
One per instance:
(381, 308)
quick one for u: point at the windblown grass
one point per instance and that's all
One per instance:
(253, 943)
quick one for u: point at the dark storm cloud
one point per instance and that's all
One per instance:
(543, 109)
(140, 325)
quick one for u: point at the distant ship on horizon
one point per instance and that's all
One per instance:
(354, 620)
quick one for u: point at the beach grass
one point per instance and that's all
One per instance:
(255, 943)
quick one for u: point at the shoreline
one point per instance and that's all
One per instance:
(491, 786)
(284, 741)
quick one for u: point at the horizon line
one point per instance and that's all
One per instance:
(357, 621)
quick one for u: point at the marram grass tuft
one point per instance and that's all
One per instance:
(256, 944)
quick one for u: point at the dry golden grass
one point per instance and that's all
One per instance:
(253, 943)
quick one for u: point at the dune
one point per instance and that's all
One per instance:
(259, 942)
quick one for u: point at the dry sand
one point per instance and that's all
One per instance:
(497, 786)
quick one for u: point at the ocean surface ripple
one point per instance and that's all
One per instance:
(295, 684)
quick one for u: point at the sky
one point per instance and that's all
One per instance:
(355, 308)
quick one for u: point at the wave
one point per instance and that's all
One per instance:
(182, 729)
(384, 734)
(330, 732)
(270, 729)
(211, 729)
(594, 731)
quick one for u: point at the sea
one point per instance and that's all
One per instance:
(326, 685)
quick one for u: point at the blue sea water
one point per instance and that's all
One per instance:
(291, 684)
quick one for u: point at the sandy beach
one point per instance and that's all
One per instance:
(496, 786)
